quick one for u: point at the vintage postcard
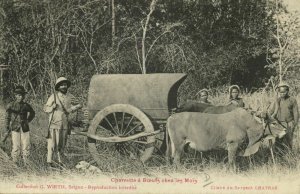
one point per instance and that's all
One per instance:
(150, 96)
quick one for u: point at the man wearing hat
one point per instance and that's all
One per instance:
(18, 116)
(59, 105)
(234, 92)
(285, 111)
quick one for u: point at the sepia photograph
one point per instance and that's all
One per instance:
(150, 96)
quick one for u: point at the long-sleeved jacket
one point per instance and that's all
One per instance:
(286, 109)
(18, 115)
(60, 117)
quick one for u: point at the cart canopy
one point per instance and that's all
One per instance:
(154, 94)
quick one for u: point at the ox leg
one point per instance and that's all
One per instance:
(232, 149)
(168, 147)
(177, 154)
(177, 158)
(272, 153)
(250, 162)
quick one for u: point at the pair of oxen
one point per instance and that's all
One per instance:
(206, 127)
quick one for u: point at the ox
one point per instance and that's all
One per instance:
(193, 106)
(228, 131)
(220, 109)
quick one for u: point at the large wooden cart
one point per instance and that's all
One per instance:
(128, 111)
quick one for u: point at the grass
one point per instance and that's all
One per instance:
(116, 165)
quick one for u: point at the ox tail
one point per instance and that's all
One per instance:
(170, 145)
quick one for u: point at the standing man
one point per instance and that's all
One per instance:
(59, 105)
(285, 111)
(18, 116)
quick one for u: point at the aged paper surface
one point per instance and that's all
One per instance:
(175, 183)
(205, 177)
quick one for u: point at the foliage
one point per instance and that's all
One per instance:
(283, 52)
(215, 42)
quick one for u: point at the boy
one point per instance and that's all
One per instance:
(234, 92)
(18, 116)
(204, 96)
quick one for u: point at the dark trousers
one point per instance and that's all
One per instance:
(285, 144)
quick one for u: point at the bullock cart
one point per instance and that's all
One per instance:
(128, 112)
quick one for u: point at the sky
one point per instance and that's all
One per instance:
(293, 5)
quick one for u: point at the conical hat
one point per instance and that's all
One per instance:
(203, 90)
(61, 80)
(234, 86)
(20, 90)
(283, 84)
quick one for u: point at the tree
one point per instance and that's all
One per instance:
(113, 23)
(284, 54)
(216, 42)
(145, 26)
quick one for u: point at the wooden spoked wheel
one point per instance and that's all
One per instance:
(121, 120)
